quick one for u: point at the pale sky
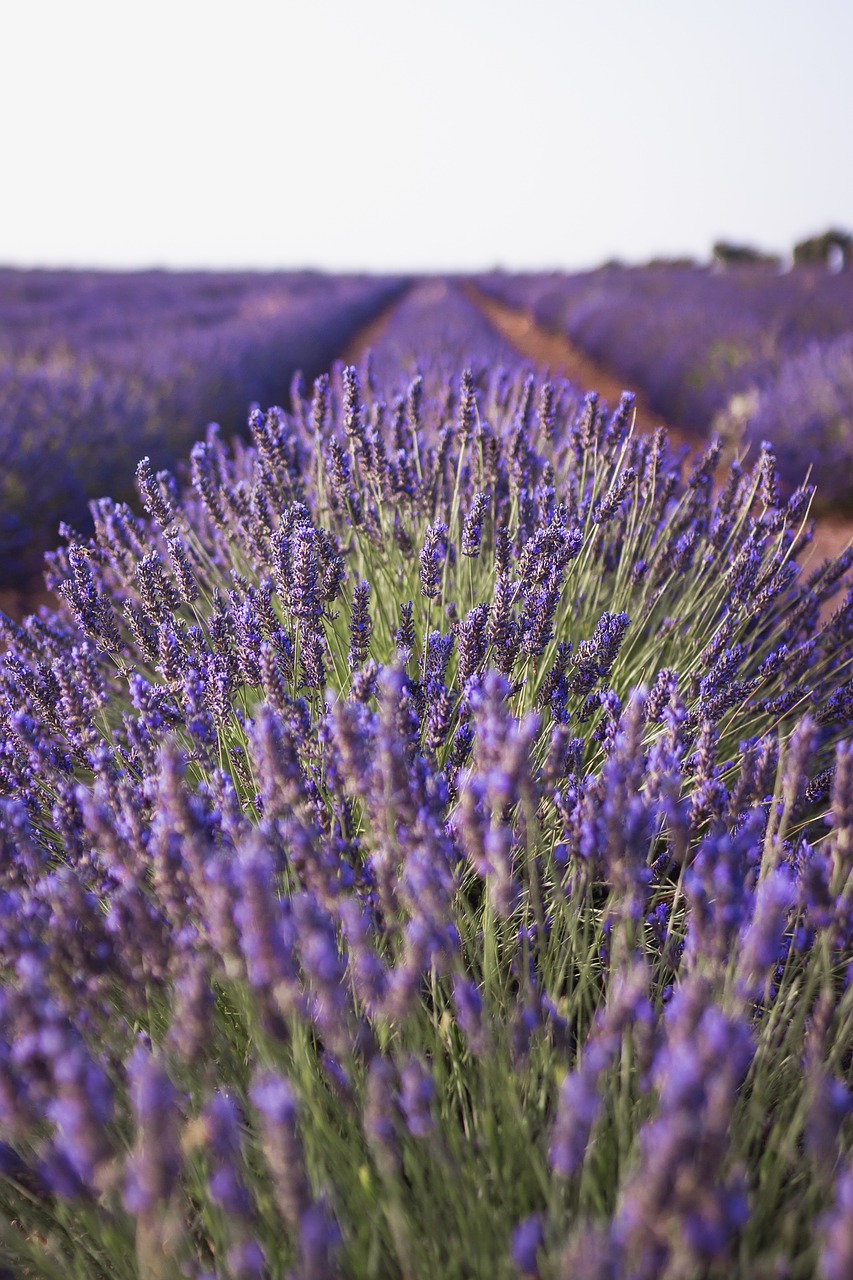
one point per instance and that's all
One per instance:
(443, 134)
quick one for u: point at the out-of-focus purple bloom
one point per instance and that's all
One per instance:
(247, 1261)
(580, 1101)
(192, 1023)
(762, 940)
(829, 1103)
(417, 1090)
(273, 1099)
(677, 1209)
(527, 1240)
(81, 1112)
(319, 1241)
(578, 1109)
(836, 1231)
(469, 1013)
(154, 1169)
(266, 930)
(381, 1114)
(226, 1186)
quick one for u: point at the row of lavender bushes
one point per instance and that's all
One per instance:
(426, 850)
(749, 351)
(431, 325)
(97, 370)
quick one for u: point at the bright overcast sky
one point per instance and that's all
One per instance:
(388, 134)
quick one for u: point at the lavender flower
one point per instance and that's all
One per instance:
(432, 557)
(360, 625)
(154, 1169)
(836, 1258)
(381, 1116)
(156, 502)
(417, 1090)
(469, 1011)
(226, 1186)
(527, 1239)
(559, 909)
(275, 1103)
(472, 527)
(608, 506)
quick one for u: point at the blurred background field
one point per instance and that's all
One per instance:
(99, 369)
(745, 350)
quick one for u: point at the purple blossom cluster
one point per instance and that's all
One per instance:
(766, 354)
(98, 369)
(425, 850)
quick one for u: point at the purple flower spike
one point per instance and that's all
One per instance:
(226, 1187)
(416, 1095)
(472, 527)
(360, 625)
(578, 1110)
(469, 1014)
(432, 558)
(154, 1169)
(762, 940)
(247, 1261)
(836, 1257)
(527, 1240)
(275, 1103)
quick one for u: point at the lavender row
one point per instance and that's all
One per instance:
(97, 370)
(758, 354)
(426, 849)
(436, 325)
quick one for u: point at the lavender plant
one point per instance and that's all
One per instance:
(811, 398)
(753, 347)
(425, 850)
(97, 369)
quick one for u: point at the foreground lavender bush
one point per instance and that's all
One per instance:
(426, 852)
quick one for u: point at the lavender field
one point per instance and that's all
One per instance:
(426, 813)
(99, 369)
(752, 352)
